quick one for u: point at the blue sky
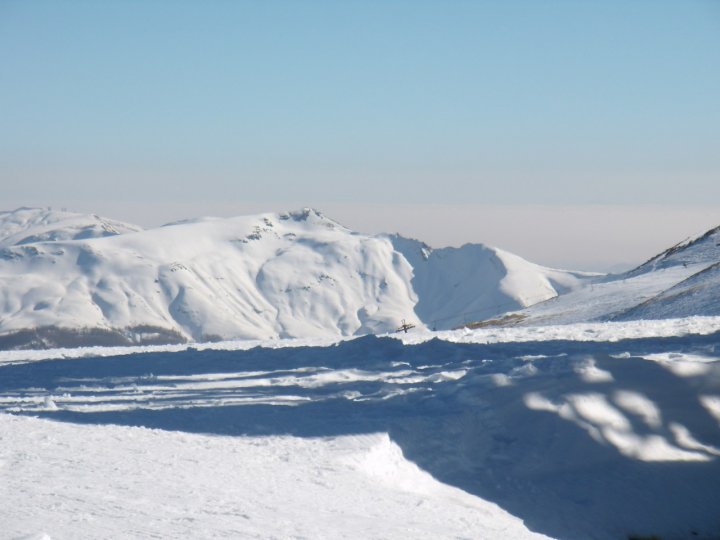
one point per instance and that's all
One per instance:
(149, 108)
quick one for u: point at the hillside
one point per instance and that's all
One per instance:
(474, 281)
(700, 293)
(682, 281)
(68, 279)
(703, 249)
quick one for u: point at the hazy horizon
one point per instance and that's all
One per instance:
(603, 238)
(575, 134)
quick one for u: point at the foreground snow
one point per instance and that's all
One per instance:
(582, 431)
(68, 481)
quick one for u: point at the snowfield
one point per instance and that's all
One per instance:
(598, 430)
(112, 482)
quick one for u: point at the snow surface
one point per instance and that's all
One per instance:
(590, 411)
(602, 430)
(608, 298)
(698, 293)
(598, 331)
(71, 482)
(31, 225)
(702, 249)
(680, 282)
(72, 280)
(475, 282)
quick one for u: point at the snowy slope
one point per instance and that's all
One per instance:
(700, 293)
(606, 298)
(473, 282)
(703, 249)
(605, 431)
(257, 277)
(679, 282)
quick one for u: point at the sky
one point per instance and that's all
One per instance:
(576, 134)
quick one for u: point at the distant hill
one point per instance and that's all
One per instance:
(30, 225)
(682, 281)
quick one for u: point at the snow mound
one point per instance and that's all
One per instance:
(162, 484)
(386, 464)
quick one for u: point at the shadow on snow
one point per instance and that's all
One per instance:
(565, 466)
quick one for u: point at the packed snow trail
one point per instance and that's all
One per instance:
(578, 439)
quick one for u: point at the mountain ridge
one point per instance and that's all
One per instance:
(267, 276)
(70, 279)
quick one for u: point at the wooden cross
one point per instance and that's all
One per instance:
(404, 327)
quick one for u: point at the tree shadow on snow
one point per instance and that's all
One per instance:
(578, 439)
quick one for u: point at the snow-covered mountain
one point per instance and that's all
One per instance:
(682, 281)
(69, 279)
(30, 225)
(472, 282)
